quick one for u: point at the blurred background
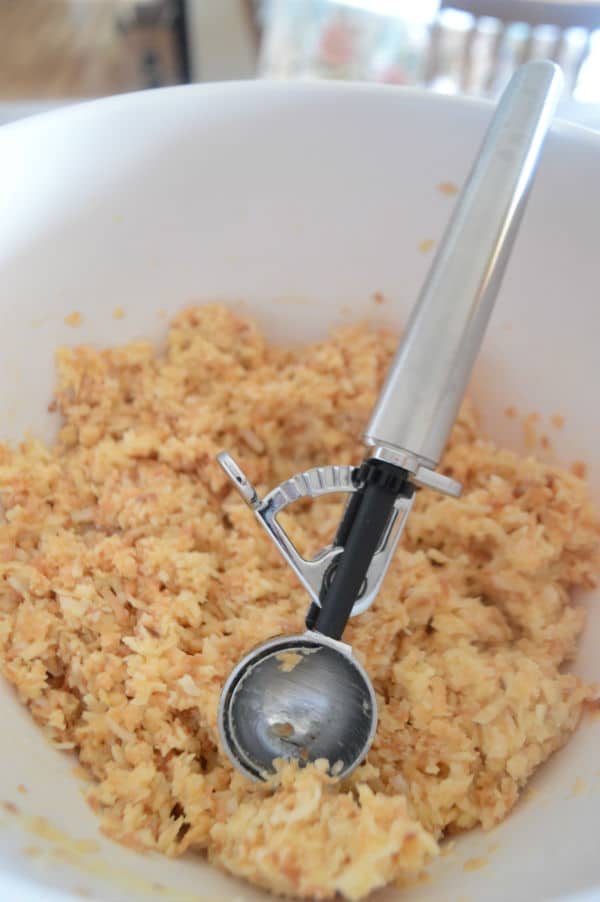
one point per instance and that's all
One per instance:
(59, 51)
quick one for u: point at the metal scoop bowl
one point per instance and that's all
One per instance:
(298, 697)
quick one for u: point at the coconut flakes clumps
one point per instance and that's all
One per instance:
(310, 838)
(133, 578)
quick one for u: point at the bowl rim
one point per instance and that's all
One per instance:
(148, 98)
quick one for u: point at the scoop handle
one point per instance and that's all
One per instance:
(428, 376)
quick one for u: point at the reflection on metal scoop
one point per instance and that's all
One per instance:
(306, 697)
(301, 697)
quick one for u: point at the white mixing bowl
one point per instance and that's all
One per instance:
(303, 201)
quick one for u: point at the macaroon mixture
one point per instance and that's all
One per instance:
(133, 578)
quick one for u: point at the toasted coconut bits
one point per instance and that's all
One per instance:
(288, 660)
(316, 839)
(448, 188)
(73, 319)
(134, 579)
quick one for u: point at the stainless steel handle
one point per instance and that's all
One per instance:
(426, 382)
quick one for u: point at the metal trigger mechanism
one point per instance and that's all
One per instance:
(316, 573)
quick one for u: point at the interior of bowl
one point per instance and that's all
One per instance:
(299, 205)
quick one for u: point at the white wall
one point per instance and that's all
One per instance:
(221, 41)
